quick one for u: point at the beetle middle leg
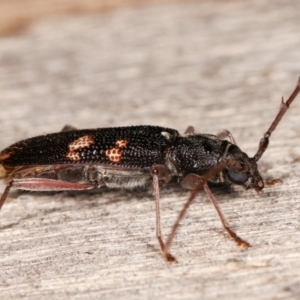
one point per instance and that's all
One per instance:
(224, 134)
(160, 176)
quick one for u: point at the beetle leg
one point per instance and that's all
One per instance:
(43, 184)
(160, 175)
(224, 133)
(191, 181)
(239, 241)
(272, 182)
(5, 193)
(68, 127)
(189, 130)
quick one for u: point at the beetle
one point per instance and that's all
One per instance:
(129, 157)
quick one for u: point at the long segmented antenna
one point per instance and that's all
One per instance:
(264, 142)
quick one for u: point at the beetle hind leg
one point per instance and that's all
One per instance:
(68, 127)
(5, 193)
(189, 130)
(43, 184)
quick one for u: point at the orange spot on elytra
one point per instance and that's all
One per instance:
(82, 142)
(121, 143)
(115, 154)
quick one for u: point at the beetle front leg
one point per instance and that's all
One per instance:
(239, 241)
(43, 184)
(160, 176)
(191, 181)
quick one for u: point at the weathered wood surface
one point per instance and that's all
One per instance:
(213, 65)
(16, 15)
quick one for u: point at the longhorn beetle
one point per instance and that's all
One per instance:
(128, 157)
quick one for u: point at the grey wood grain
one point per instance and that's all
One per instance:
(209, 64)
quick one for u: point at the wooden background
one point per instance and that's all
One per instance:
(211, 64)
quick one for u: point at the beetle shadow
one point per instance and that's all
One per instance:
(221, 188)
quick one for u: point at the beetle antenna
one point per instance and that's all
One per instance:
(264, 142)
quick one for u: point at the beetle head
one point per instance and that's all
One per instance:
(242, 170)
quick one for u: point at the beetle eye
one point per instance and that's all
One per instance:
(237, 177)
